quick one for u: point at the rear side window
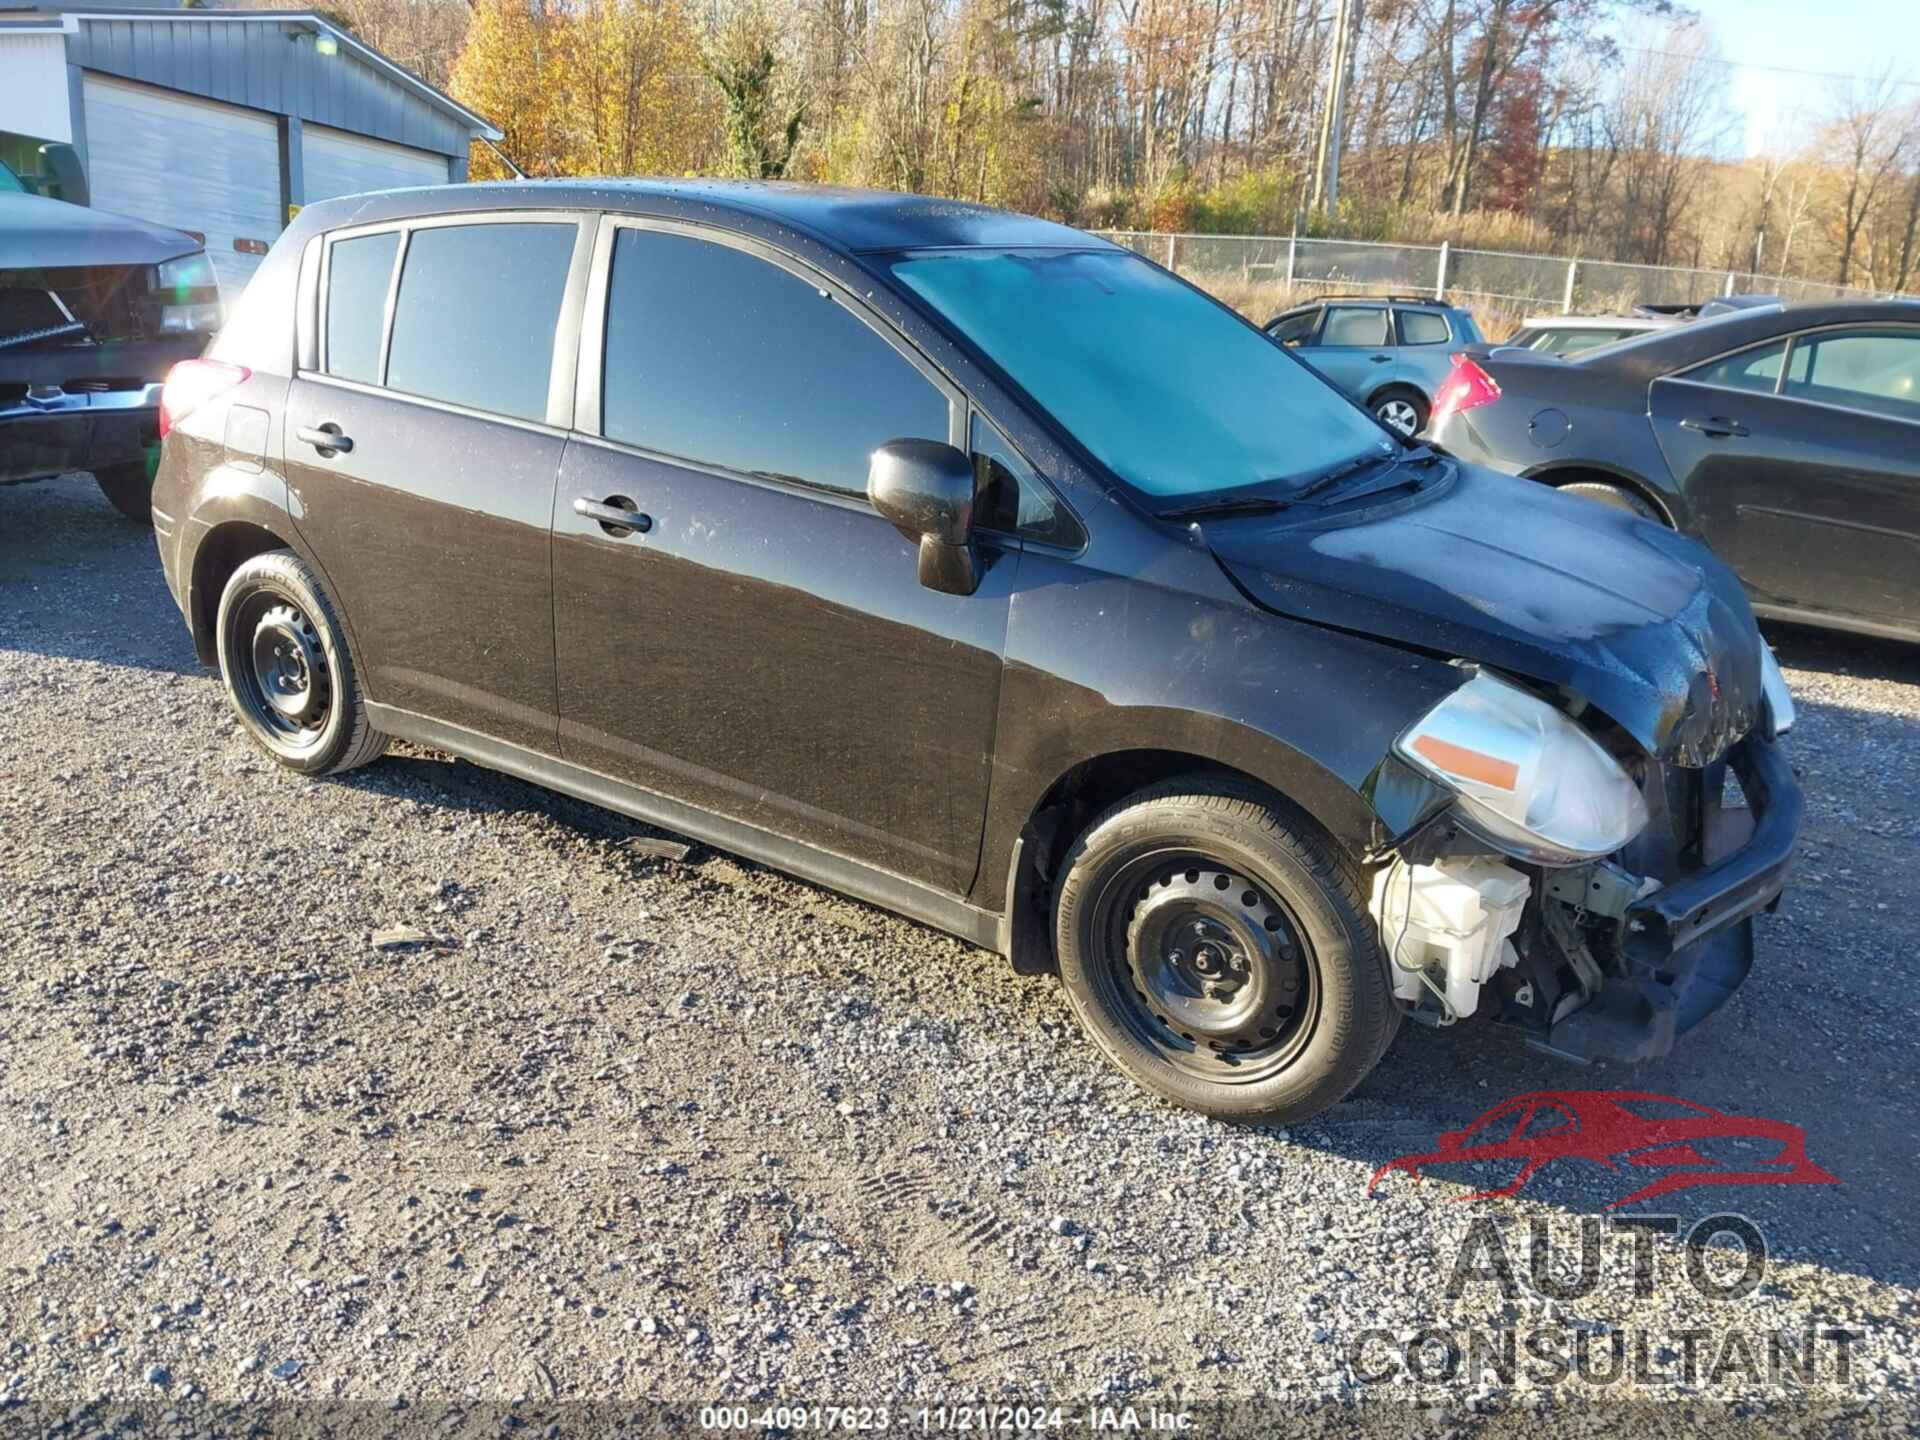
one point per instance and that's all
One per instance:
(717, 356)
(357, 305)
(1423, 327)
(1756, 370)
(1878, 371)
(1350, 325)
(474, 320)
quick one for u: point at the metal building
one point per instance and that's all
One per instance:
(220, 122)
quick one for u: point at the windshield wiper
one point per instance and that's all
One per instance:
(1339, 473)
(1245, 505)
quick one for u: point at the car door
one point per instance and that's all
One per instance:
(422, 450)
(763, 649)
(1800, 459)
(1352, 348)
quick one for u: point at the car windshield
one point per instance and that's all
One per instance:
(1172, 392)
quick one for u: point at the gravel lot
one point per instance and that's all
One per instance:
(693, 1130)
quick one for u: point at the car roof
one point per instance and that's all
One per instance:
(1598, 322)
(1661, 352)
(854, 220)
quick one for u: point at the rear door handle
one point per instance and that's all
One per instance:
(325, 438)
(616, 514)
(1717, 426)
(1380, 359)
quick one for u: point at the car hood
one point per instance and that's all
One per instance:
(1643, 623)
(36, 232)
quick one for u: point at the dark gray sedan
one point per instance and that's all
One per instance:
(1787, 439)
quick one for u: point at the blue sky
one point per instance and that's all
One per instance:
(1842, 36)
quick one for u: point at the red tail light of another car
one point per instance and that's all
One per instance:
(191, 384)
(1466, 387)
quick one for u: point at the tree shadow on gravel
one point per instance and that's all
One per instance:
(79, 581)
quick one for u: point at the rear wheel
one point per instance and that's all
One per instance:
(1402, 411)
(129, 489)
(1219, 955)
(288, 674)
(1618, 496)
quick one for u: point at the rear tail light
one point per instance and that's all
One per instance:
(191, 384)
(1466, 387)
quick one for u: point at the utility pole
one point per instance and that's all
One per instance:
(1333, 121)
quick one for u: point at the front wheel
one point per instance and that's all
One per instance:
(129, 489)
(288, 673)
(1617, 497)
(1217, 952)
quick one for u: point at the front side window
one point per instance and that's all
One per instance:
(1355, 325)
(717, 356)
(1172, 392)
(1423, 327)
(1292, 329)
(357, 282)
(1874, 370)
(1756, 370)
(474, 319)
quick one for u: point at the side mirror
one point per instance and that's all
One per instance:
(927, 490)
(61, 175)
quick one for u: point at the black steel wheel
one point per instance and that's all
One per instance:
(288, 673)
(1216, 950)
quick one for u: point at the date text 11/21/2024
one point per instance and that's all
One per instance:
(937, 1419)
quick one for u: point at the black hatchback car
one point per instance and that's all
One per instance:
(1787, 439)
(983, 570)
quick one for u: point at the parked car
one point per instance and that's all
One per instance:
(1788, 439)
(1389, 352)
(1570, 334)
(983, 570)
(94, 310)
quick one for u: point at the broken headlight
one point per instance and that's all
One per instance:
(1527, 779)
(186, 295)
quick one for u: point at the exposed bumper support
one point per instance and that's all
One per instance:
(1689, 946)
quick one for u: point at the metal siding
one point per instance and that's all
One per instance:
(338, 162)
(257, 65)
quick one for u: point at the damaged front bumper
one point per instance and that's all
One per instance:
(50, 431)
(1687, 946)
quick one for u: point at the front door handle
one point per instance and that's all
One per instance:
(1717, 426)
(617, 515)
(326, 438)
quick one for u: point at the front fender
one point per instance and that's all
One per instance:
(1098, 665)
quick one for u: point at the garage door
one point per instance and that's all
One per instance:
(194, 164)
(338, 163)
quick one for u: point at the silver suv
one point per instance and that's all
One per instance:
(1390, 352)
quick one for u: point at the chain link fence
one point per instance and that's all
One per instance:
(1281, 268)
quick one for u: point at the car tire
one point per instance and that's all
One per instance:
(1218, 953)
(129, 489)
(1403, 411)
(1618, 496)
(287, 670)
